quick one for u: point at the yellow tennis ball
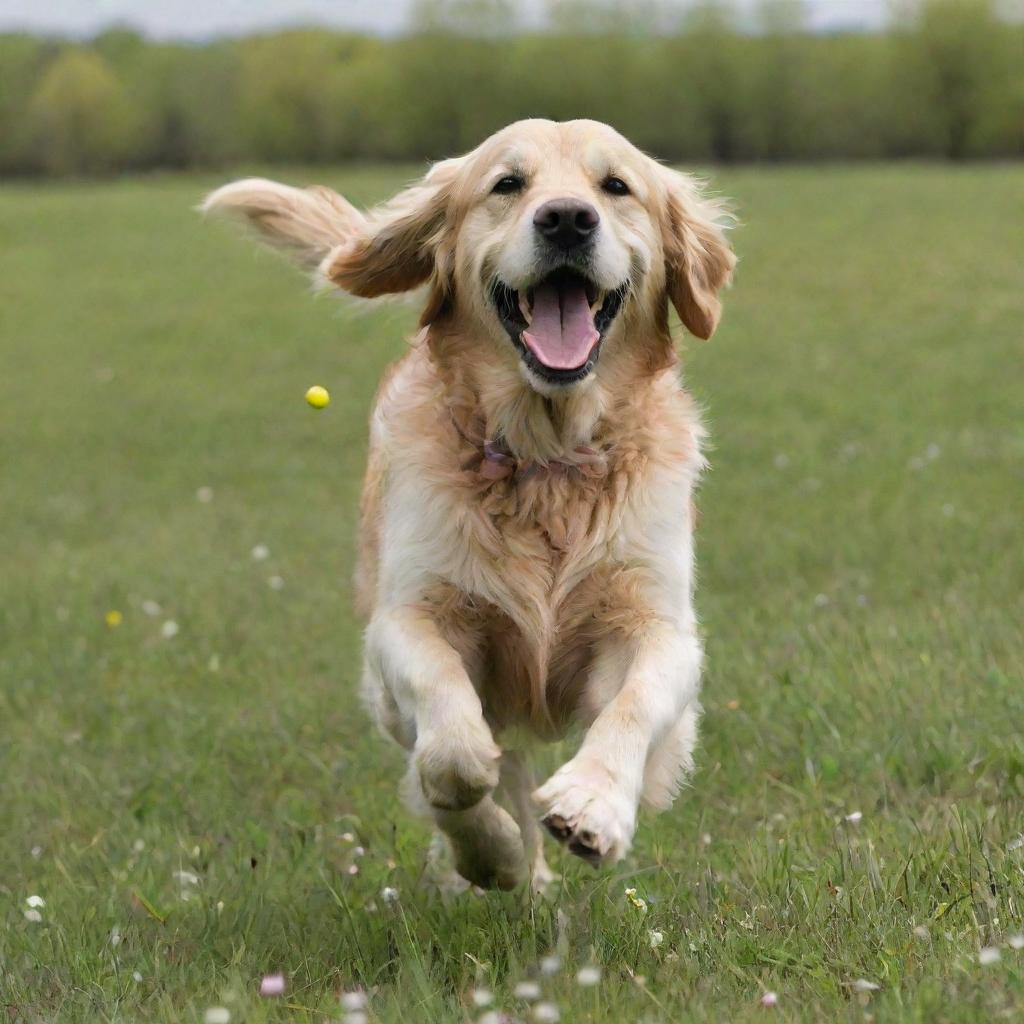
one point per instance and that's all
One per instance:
(317, 396)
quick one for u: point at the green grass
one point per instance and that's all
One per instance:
(861, 587)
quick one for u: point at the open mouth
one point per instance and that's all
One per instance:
(558, 323)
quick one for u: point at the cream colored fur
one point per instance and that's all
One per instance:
(554, 589)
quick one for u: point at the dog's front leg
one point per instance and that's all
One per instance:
(426, 700)
(438, 711)
(646, 689)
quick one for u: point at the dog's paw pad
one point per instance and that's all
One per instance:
(593, 818)
(558, 827)
(586, 850)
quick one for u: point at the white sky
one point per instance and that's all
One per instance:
(197, 19)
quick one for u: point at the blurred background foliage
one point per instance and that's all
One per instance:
(944, 80)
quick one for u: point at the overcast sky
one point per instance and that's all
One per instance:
(199, 19)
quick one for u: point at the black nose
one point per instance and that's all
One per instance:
(566, 222)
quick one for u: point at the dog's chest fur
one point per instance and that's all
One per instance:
(528, 563)
(547, 581)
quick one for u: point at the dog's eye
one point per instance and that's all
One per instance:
(615, 186)
(507, 185)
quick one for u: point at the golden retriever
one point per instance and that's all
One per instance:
(526, 558)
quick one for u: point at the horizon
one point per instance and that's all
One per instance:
(193, 20)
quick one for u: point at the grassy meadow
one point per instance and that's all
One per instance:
(192, 790)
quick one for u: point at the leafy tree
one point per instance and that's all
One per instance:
(80, 118)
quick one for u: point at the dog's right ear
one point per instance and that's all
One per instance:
(408, 242)
(306, 223)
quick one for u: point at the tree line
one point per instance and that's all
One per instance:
(944, 80)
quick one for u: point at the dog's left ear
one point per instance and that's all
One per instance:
(408, 242)
(698, 259)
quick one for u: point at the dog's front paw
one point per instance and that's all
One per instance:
(457, 766)
(582, 805)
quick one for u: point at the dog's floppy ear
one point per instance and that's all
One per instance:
(408, 242)
(698, 259)
(307, 223)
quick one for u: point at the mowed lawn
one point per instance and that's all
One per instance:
(201, 809)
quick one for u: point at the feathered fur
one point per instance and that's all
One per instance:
(526, 550)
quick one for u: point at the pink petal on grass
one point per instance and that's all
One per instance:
(273, 985)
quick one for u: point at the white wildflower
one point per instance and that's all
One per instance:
(36, 901)
(168, 631)
(1016, 844)
(1016, 941)
(34, 916)
(260, 553)
(205, 496)
(989, 955)
(863, 985)
(136, 976)
(854, 816)
(587, 977)
(151, 608)
(769, 999)
(115, 936)
(354, 1000)
(275, 583)
(389, 895)
(545, 1013)
(186, 877)
(551, 964)
(655, 938)
(527, 990)
(217, 1015)
(482, 997)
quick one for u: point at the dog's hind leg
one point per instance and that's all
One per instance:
(516, 785)
(486, 844)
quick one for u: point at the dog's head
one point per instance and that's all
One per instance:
(550, 243)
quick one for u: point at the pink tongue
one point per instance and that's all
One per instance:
(562, 333)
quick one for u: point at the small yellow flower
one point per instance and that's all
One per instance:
(113, 618)
(637, 901)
